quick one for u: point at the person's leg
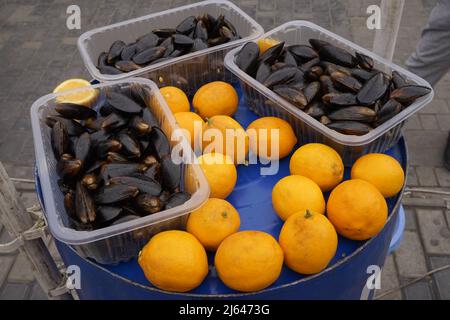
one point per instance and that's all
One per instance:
(431, 59)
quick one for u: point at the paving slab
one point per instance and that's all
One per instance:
(389, 280)
(410, 257)
(410, 219)
(6, 263)
(21, 270)
(15, 291)
(442, 279)
(421, 290)
(37, 293)
(434, 231)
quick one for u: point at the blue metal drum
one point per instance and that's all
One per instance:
(345, 277)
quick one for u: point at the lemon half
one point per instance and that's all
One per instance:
(84, 97)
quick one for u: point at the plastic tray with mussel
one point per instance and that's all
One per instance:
(161, 44)
(342, 90)
(108, 176)
(115, 165)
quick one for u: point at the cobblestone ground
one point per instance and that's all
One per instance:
(38, 52)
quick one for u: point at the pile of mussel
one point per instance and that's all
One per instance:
(341, 90)
(192, 34)
(114, 166)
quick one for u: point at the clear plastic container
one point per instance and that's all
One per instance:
(120, 242)
(189, 71)
(265, 102)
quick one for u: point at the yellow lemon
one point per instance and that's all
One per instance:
(309, 242)
(296, 193)
(260, 134)
(213, 222)
(357, 209)
(265, 44)
(320, 163)
(220, 173)
(176, 99)
(215, 98)
(381, 170)
(225, 135)
(249, 261)
(174, 261)
(188, 121)
(84, 97)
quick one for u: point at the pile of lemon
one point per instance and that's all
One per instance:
(249, 261)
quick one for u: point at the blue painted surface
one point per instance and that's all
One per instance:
(397, 237)
(344, 279)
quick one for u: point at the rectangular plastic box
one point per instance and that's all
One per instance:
(121, 242)
(187, 72)
(265, 102)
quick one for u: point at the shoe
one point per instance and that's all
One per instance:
(447, 154)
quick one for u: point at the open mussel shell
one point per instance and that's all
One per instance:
(143, 183)
(115, 193)
(187, 25)
(123, 103)
(281, 76)
(263, 72)
(148, 203)
(247, 58)
(160, 143)
(59, 139)
(75, 111)
(126, 65)
(345, 82)
(149, 55)
(311, 91)
(74, 128)
(147, 41)
(364, 61)
(294, 96)
(177, 199)
(128, 52)
(350, 127)
(388, 111)
(327, 84)
(102, 148)
(182, 41)
(84, 204)
(68, 167)
(83, 147)
(373, 90)
(272, 54)
(115, 50)
(409, 93)
(109, 70)
(340, 99)
(107, 214)
(164, 32)
(316, 110)
(317, 44)
(302, 53)
(113, 121)
(361, 74)
(170, 173)
(398, 80)
(337, 55)
(130, 146)
(356, 113)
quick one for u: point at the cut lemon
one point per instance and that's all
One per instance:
(265, 44)
(84, 97)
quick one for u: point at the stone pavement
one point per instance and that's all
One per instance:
(38, 52)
